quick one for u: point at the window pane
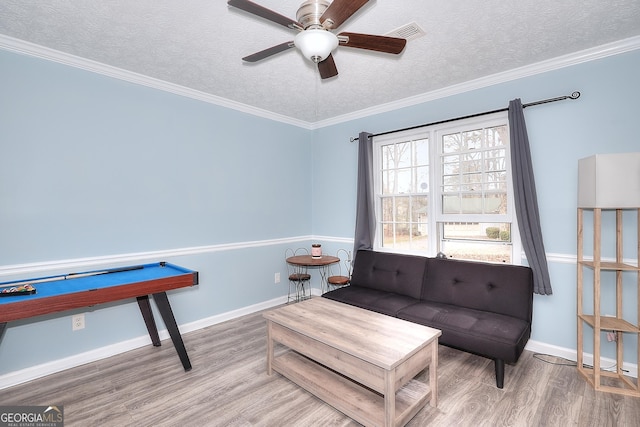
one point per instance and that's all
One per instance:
(496, 204)
(471, 182)
(387, 209)
(422, 179)
(497, 156)
(471, 164)
(402, 209)
(471, 204)
(420, 209)
(388, 237)
(450, 166)
(451, 204)
(403, 181)
(405, 190)
(477, 241)
(387, 156)
(477, 251)
(388, 182)
(496, 136)
(496, 181)
(450, 143)
(472, 140)
(421, 148)
(403, 155)
(405, 236)
(420, 238)
(492, 231)
(474, 176)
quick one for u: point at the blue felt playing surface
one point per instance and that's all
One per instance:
(71, 285)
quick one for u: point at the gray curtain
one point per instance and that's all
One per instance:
(365, 208)
(526, 201)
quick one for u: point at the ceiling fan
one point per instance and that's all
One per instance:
(315, 20)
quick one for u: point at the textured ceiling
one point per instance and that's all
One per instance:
(198, 44)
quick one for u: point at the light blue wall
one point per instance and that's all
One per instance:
(86, 158)
(91, 166)
(603, 120)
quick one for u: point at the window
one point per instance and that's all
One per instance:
(404, 194)
(447, 189)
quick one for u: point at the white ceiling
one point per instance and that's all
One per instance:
(198, 44)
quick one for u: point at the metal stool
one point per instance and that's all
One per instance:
(299, 279)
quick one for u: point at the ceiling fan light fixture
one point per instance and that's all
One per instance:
(316, 44)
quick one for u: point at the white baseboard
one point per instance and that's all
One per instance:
(31, 373)
(571, 354)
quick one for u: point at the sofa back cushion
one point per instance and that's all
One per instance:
(498, 288)
(401, 274)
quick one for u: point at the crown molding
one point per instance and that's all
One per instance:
(31, 49)
(591, 54)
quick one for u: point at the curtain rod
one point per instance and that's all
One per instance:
(574, 95)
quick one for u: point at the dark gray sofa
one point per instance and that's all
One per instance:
(481, 308)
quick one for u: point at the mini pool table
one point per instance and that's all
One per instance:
(77, 290)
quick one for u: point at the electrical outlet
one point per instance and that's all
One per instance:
(77, 322)
(276, 278)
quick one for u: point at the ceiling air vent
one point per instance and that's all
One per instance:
(408, 31)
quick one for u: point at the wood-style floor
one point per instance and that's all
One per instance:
(228, 386)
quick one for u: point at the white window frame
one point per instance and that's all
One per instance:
(435, 216)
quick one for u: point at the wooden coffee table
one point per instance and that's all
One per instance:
(360, 362)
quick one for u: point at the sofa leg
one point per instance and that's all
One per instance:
(499, 372)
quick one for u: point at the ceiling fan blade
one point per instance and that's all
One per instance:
(327, 68)
(339, 11)
(385, 44)
(263, 12)
(268, 52)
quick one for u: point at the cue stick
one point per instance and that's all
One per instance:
(73, 276)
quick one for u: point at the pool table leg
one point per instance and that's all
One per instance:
(147, 315)
(170, 322)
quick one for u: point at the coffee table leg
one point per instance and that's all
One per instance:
(433, 374)
(269, 348)
(389, 398)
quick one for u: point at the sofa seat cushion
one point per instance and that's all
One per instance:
(488, 334)
(379, 301)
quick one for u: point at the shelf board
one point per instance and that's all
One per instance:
(610, 323)
(358, 402)
(615, 266)
(625, 385)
